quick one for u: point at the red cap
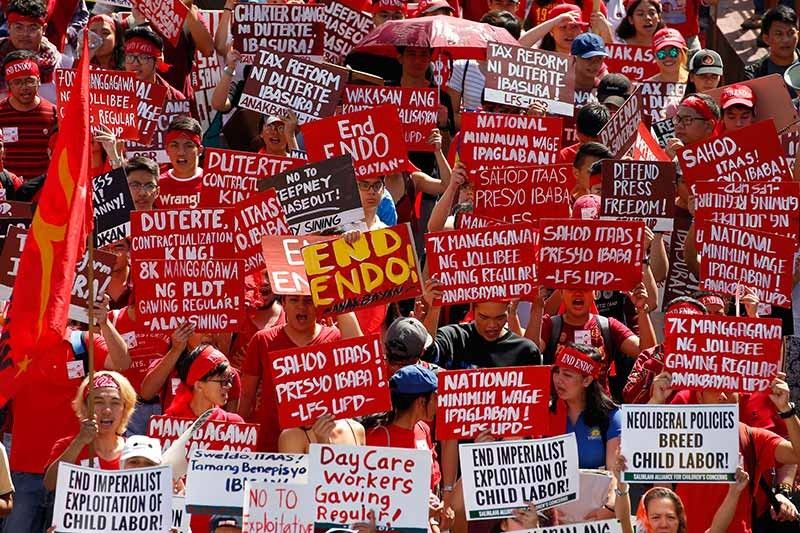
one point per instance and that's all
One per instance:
(428, 6)
(561, 9)
(389, 5)
(586, 207)
(668, 37)
(737, 95)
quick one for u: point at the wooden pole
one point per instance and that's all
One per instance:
(90, 340)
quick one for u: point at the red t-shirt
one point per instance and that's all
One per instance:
(257, 364)
(567, 154)
(372, 318)
(418, 438)
(217, 414)
(83, 457)
(144, 348)
(27, 134)
(183, 193)
(682, 15)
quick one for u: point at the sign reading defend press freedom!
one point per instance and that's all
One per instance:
(297, 29)
(500, 477)
(259, 215)
(680, 443)
(113, 203)
(212, 435)
(276, 507)
(639, 190)
(283, 256)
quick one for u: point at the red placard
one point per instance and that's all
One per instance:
(345, 379)
(179, 234)
(373, 138)
(213, 435)
(524, 194)
(488, 264)
(591, 254)
(499, 140)
(753, 153)
(166, 16)
(645, 146)
(259, 215)
(734, 257)
(297, 29)
(722, 353)
(472, 221)
(508, 402)
(152, 99)
(637, 62)
(283, 256)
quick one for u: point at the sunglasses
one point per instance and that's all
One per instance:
(672, 52)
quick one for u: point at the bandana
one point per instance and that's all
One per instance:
(712, 299)
(173, 135)
(105, 20)
(573, 359)
(101, 381)
(684, 308)
(142, 46)
(699, 105)
(24, 19)
(24, 68)
(206, 361)
(389, 5)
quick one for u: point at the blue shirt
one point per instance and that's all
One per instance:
(387, 213)
(591, 447)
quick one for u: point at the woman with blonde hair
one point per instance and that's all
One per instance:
(671, 51)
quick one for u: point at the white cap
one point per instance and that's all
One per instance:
(141, 446)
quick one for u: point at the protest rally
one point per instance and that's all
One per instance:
(362, 266)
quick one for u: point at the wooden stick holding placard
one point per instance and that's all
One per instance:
(90, 340)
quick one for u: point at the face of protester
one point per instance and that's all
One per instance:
(715, 397)
(138, 462)
(144, 189)
(24, 90)
(705, 82)
(108, 409)
(26, 35)
(569, 385)
(370, 192)
(670, 61)
(582, 172)
(382, 16)
(782, 41)
(577, 302)
(184, 155)
(503, 5)
(662, 515)
(645, 18)
(586, 70)
(143, 65)
(690, 127)
(122, 251)
(216, 388)
(301, 315)
(737, 117)
(490, 319)
(109, 39)
(274, 137)
(415, 61)
(427, 407)
(563, 34)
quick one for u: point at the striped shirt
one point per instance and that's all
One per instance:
(27, 134)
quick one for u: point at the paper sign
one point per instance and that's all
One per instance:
(14, 214)
(590, 254)
(507, 402)
(206, 73)
(772, 99)
(345, 379)
(620, 132)
(283, 257)
(471, 221)
(356, 483)
(180, 518)
(345, 27)
(276, 507)
(661, 98)
(183, 234)
(645, 147)
(259, 215)
(499, 477)
(215, 479)
(213, 435)
(166, 16)
(478, 265)
(791, 365)
(637, 62)
(639, 190)
(287, 29)
(152, 101)
(113, 203)
(664, 130)
(680, 280)
(597, 526)
(680, 443)
(97, 501)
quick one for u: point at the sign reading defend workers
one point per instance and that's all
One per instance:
(519, 76)
(637, 62)
(379, 268)
(732, 354)
(90, 500)
(499, 477)
(489, 264)
(113, 203)
(279, 82)
(183, 234)
(215, 479)
(523, 194)
(259, 215)
(753, 153)
(288, 29)
(166, 16)
(345, 379)
(639, 190)
(283, 257)
(501, 140)
(372, 137)
(507, 402)
(620, 132)
(358, 483)
(212, 435)
(734, 257)
(590, 254)
(344, 29)
(276, 507)
(680, 443)
(208, 293)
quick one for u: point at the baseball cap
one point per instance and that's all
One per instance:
(272, 119)
(614, 84)
(429, 6)
(706, 62)
(586, 207)
(792, 76)
(587, 45)
(413, 379)
(561, 9)
(406, 338)
(616, 101)
(141, 446)
(737, 94)
(668, 37)
(389, 5)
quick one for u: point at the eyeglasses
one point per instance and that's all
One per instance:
(227, 382)
(366, 186)
(146, 187)
(685, 121)
(27, 82)
(138, 58)
(672, 52)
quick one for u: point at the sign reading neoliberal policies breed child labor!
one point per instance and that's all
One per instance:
(183, 234)
(680, 443)
(590, 254)
(475, 265)
(639, 190)
(98, 501)
(354, 484)
(500, 477)
(507, 402)
(297, 29)
(519, 76)
(345, 379)
(379, 268)
(732, 354)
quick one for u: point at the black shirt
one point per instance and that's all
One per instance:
(459, 346)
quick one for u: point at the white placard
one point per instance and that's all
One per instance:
(277, 507)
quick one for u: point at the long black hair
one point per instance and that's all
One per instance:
(400, 404)
(599, 405)
(626, 29)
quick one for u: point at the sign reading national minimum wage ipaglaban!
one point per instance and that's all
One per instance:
(499, 477)
(680, 443)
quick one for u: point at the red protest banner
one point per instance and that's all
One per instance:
(591, 254)
(476, 265)
(379, 268)
(166, 16)
(472, 221)
(637, 62)
(206, 72)
(181, 234)
(418, 109)
(345, 379)
(494, 139)
(732, 354)
(508, 402)
(297, 29)
(373, 138)
(345, 27)
(213, 435)
(734, 257)
(259, 215)
(753, 153)
(524, 194)
(645, 146)
(283, 256)
(155, 148)
(620, 132)
(152, 99)
(208, 293)
(639, 190)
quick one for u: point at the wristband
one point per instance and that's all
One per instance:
(790, 413)
(229, 71)
(621, 493)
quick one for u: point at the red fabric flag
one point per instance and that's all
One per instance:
(56, 239)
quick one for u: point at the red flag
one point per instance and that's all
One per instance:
(56, 239)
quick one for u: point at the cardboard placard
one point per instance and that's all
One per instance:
(166, 16)
(635, 190)
(791, 365)
(183, 234)
(297, 29)
(772, 99)
(753, 153)
(259, 215)
(13, 214)
(500, 477)
(507, 402)
(152, 102)
(356, 483)
(733, 257)
(636, 62)
(620, 132)
(646, 147)
(283, 257)
(212, 435)
(206, 73)
(279, 82)
(215, 479)
(596, 526)
(661, 97)
(472, 221)
(113, 203)
(90, 500)
(664, 130)
(373, 138)
(276, 507)
(590, 254)
(155, 148)
(489, 264)
(345, 27)
(379, 268)
(345, 379)
(499, 140)
(790, 141)
(680, 280)
(418, 109)
(523, 194)
(180, 518)
(680, 443)
(519, 76)
(318, 196)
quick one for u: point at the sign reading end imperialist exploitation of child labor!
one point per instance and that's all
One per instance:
(732, 354)
(97, 501)
(112, 202)
(680, 443)
(379, 268)
(212, 435)
(259, 215)
(500, 477)
(297, 29)
(354, 484)
(345, 379)
(507, 402)
(639, 190)
(283, 256)
(276, 507)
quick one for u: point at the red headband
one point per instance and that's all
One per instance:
(19, 17)
(137, 45)
(23, 68)
(173, 135)
(699, 105)
(105, 20)
(711, 299)
(684, 308)
(101, 381)
(573, 359)
(206, 361)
